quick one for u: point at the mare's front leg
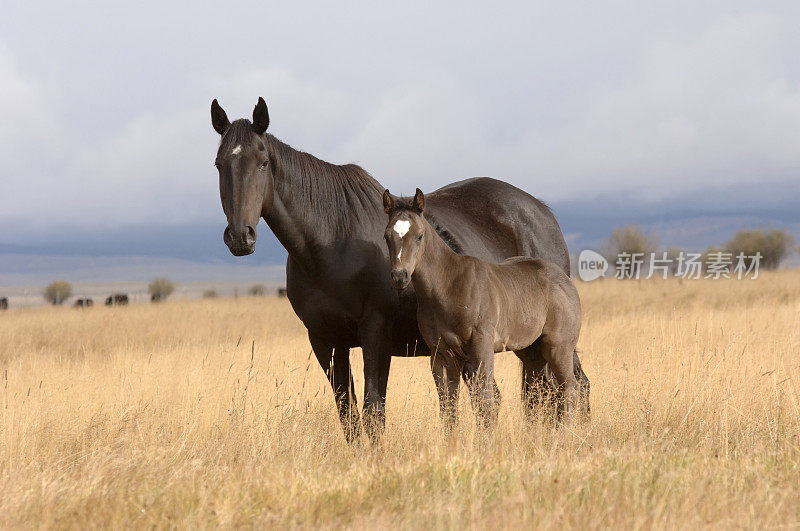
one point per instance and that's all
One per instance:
(481, 353)
(336, 364)
(446, 374)
(375, 334)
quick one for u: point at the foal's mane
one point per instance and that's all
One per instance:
(336, 195)
(407, 204)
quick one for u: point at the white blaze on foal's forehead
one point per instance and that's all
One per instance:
(401, 227)
(236, 150)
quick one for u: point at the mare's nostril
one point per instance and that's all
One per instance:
(242, 236)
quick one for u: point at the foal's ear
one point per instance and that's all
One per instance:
(419, 201)
(218, 118)
(388, 202)
(260, 117)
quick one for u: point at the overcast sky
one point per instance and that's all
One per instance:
(104, 119)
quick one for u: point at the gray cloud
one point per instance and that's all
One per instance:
(106, 124)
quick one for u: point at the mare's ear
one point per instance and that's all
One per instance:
(388, 202)
(218, 118)
(419, 201)
(260, 117)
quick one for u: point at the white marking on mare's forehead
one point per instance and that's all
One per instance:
(236, 150)
(401, 227)
(400, 253)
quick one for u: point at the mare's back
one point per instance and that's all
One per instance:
(492, 220)
(544, 273)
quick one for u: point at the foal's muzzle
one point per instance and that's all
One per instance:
(240, 240)
(400, 278)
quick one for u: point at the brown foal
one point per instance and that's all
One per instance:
(469, 309)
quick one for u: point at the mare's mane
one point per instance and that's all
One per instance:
(329, 190)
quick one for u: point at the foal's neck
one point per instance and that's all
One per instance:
(435, 267)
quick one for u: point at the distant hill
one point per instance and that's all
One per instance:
(196, 253)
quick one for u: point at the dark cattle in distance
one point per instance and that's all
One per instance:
(4, 303)
(83, 303)
(281, 292)
(117, 299)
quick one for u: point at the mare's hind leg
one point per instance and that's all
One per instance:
(446, 374)
(583, 385)
(538, 384)
(559, 357)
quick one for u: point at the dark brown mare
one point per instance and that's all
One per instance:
(330, 219)
(469, 309)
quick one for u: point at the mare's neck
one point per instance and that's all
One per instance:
(318, 204)
(435, 267)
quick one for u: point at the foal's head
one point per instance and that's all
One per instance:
(246, 185)
(405, 235)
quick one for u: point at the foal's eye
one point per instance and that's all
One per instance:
(264, 165)
(419, 238)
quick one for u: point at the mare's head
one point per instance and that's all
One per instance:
(405, 235)
(245, 175)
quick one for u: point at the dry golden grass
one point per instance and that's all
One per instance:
(151, 416)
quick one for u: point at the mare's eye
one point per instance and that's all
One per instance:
(419, 238)
(264, 165)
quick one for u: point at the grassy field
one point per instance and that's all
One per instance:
(152, 416)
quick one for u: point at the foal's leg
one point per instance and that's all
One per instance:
(483, 391)
(468, 373)
(559, 356)
(538, 384)
(446, 376)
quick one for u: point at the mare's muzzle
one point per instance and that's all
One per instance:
(240, 240)
(400, 278)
